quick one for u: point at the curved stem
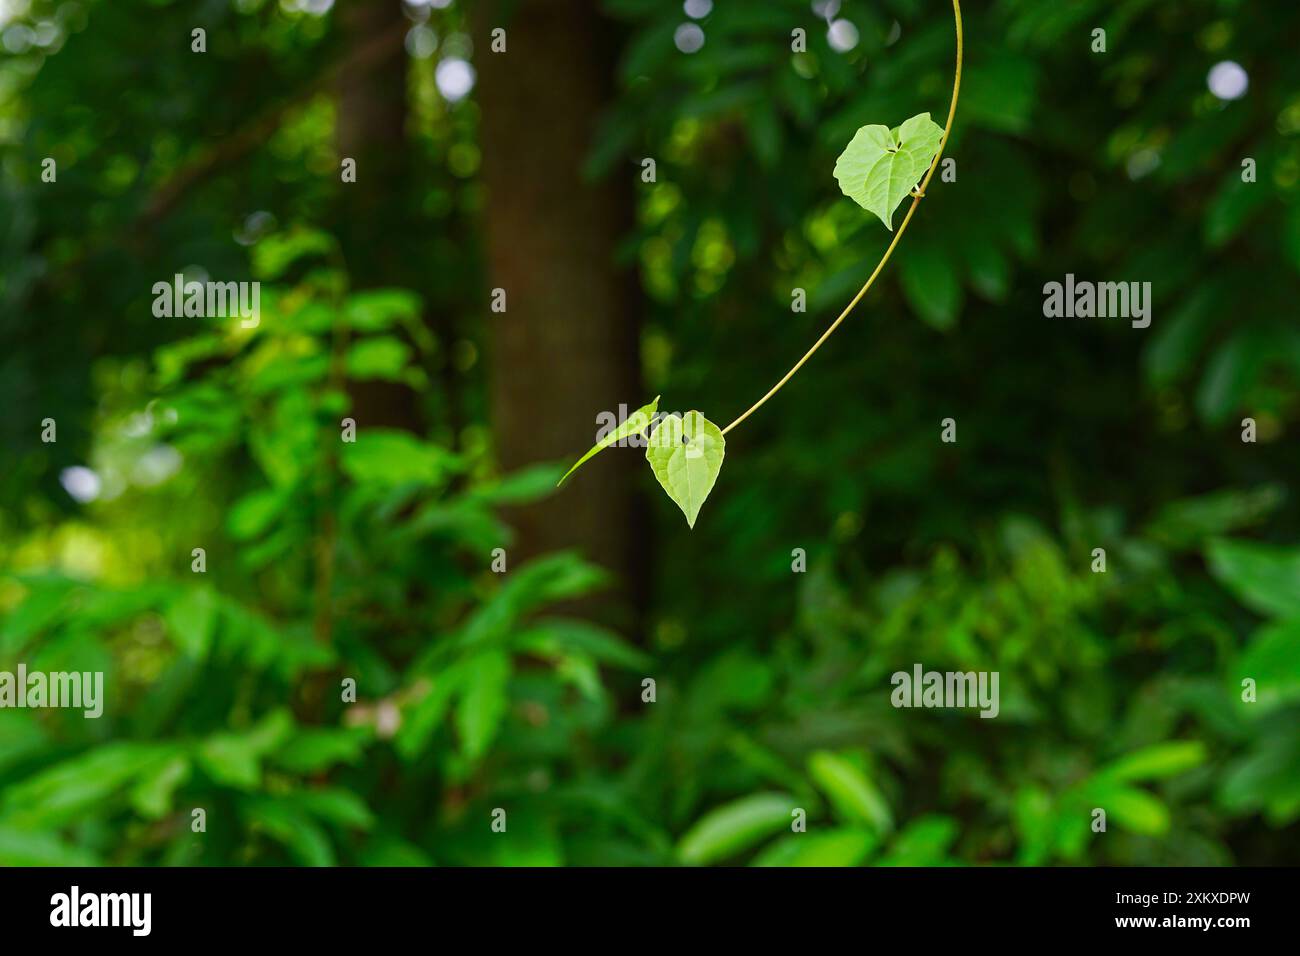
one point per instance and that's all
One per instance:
(916, 199)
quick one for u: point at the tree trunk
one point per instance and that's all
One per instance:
(566, 348)
(374, 218)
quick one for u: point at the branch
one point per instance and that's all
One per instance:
(224, 153)
(244, 141)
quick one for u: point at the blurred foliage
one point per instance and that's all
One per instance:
(329, 560)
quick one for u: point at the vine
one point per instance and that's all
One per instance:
(878, 169)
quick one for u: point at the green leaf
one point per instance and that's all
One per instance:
(1160, 760)
(153, 792)
(736, 826)
(924, 842)
(1232, 208)
(1264, 577)
(1272, 659)
(388, 456)
(306, 842)
(192, 618)
(931, 285)
(1179, 340)
(393, 852)
(839, 847)
(999, 93)
(1231, 371)
(988, 269)
(1190, 521)
(1265, 777)
(229, 762)
(254, 513)
(336, 805)
(1136, 810)
(73, 788)
(880, 166)
(22, 847)
(421, 719)
(634, 424)
(44, 607)
(1032, 814)
(554, 636)
(483, 702)
(734, 680)
(21, 735)
(555, 577)
(520, 488)
(235, 759)
(686, 456)
(381, 357)
(376, 310)
(851, 793)
(317, 749)
(273, 254)
(533, 842)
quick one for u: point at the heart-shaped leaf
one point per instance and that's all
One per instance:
(686, 456)
(634, 424)
(880, 166)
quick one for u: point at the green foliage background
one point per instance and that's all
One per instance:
(476, 691)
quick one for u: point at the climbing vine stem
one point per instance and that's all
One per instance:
(686, 452)
(917, 195)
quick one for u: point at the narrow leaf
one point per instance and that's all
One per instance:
(1157, 761)
(839, 847)
(1136, 810)
(853, 795)
(483, 703)
(634, 424)
(736, 826)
